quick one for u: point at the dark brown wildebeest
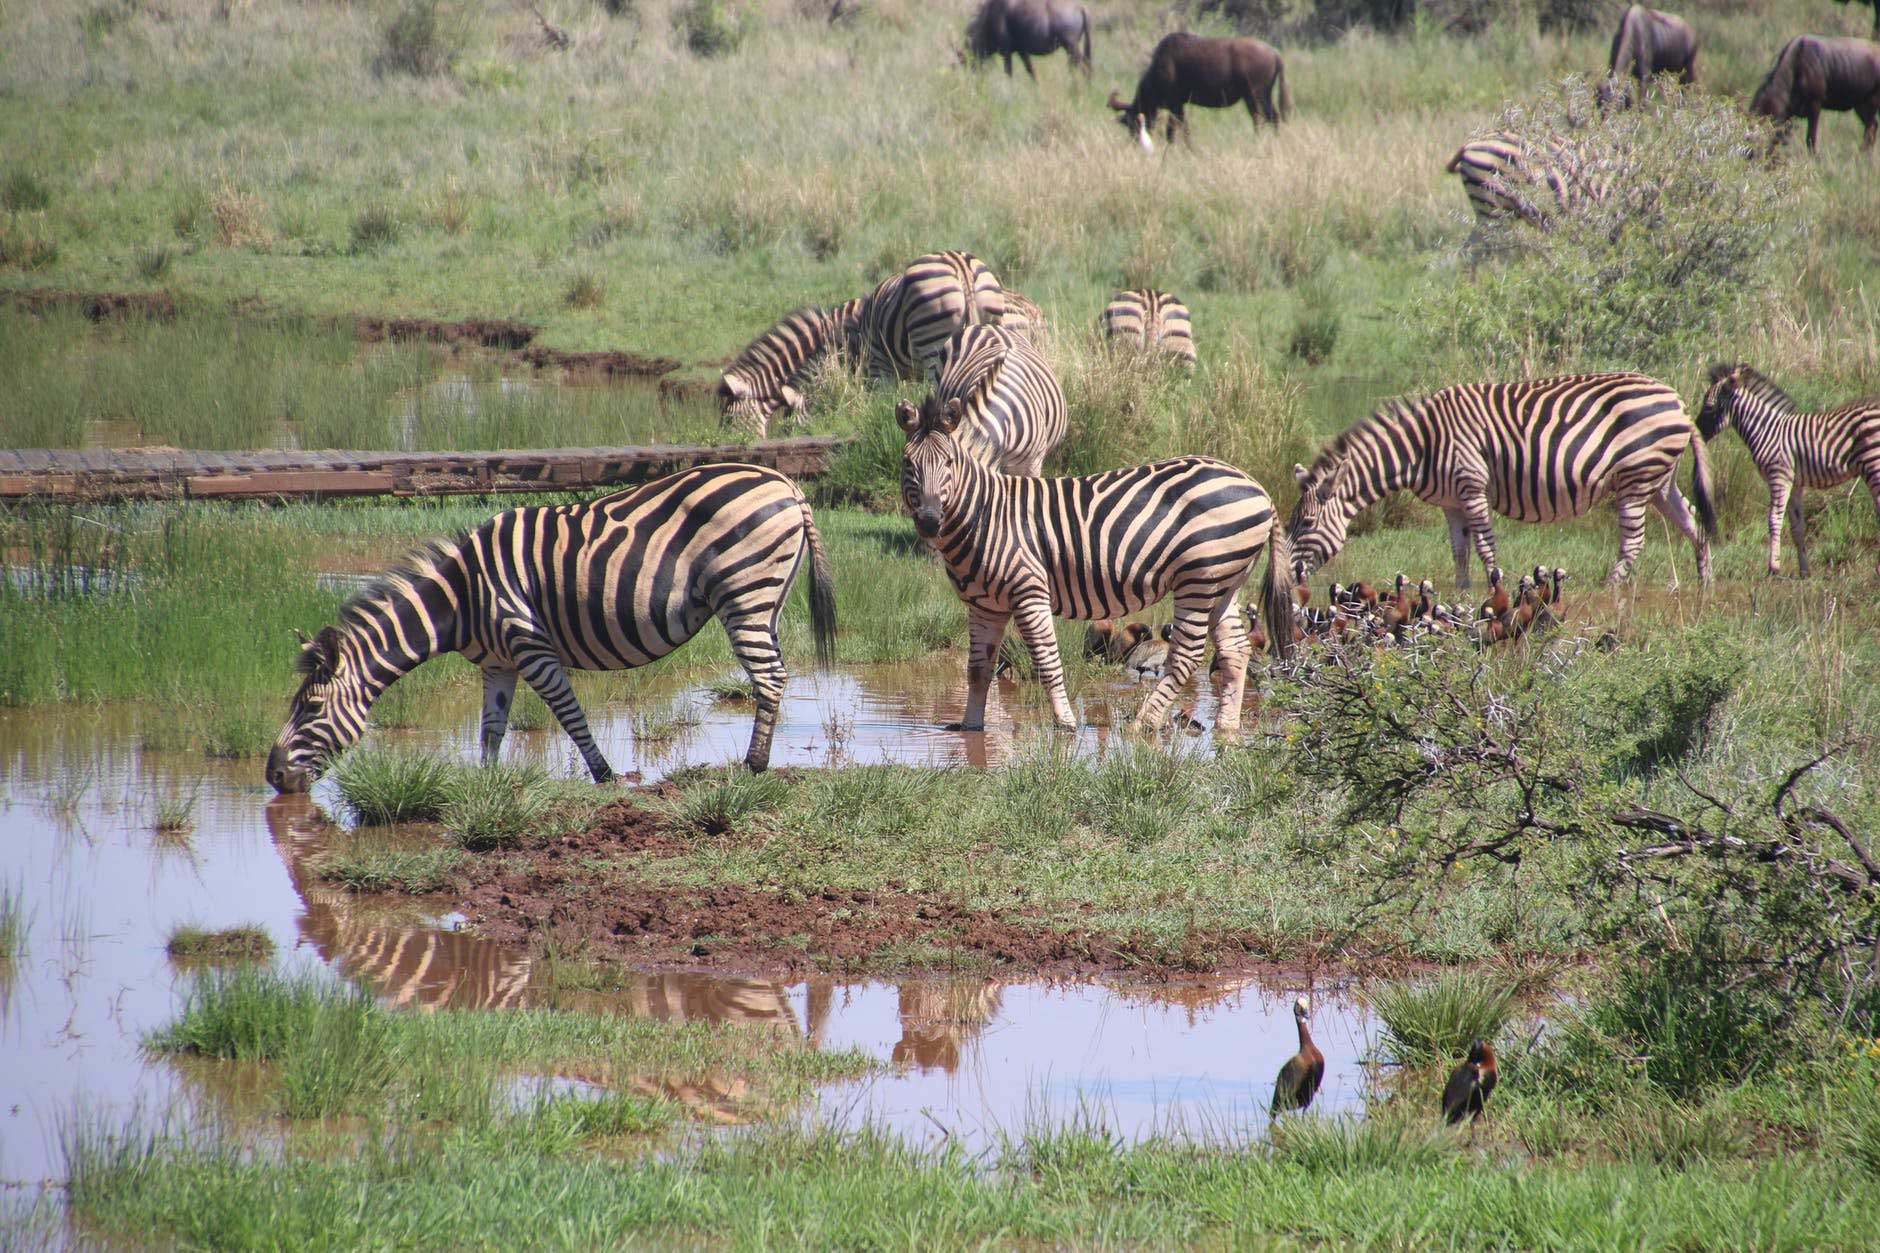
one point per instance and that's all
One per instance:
(1816, 72)
(1188, 69)
(1649, 42)
(1031, 28)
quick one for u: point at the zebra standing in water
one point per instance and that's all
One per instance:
(763, 380)
(1149, 321)
(1508, 178)
(608, 584)
(908, 319)
(1099, 546)
(1002, 398)
(1538, 452)
(1793, 449)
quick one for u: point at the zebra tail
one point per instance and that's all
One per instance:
(822, 592)
(1700, 488)
(1276, 591)
(1455, 162)
(1285, 93)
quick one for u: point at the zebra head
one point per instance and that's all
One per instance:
(1719, 400)
(929, 463)
(327, 716)
(1319, 519)
(750, 409)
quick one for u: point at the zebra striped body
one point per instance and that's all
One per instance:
(1094, 547)
(1023, 315)
(1506, 178)
(1009, 405)
(908, 319)
(607, 584)
(765, 377)
(1792, 449)
(1537, 452)
(1149, 321)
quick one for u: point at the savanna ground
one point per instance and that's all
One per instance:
(1633, 828)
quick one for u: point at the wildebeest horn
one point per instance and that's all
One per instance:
(1116, 102)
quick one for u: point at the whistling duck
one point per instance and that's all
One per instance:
(1299, 1078)
(1472, 1083)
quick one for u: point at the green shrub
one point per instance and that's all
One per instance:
(153, 263)
(421, 40)
(380, 786)
(710, 28)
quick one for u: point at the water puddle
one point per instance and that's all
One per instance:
(102, 890)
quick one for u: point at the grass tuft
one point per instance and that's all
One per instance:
(382, 786)
(720, 805)
(12, 921)
(586, 291)
(375, 228)
(1340, 1146)
(362, 868)
(248, 943)
(494, 807)
(1435, 1020)
(175, 812)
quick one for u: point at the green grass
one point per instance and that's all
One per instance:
(360, 866)
(494, 807)
(1434, 1020)
(378, 787)
(175, 812)
(195, 944)
(13, 921)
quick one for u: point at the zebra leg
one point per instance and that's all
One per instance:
(1795, 525)
(1034, 624)
(1459, 544)
(1230, 644)
(543, 671)
(1184, 653)
(499, 690)
(1779, 489)
(984, 630)
(1631, 510)
(1480, 526)
(754, 643)
(1670, 502)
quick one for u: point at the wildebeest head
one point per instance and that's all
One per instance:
(1135, 121)
(327, 716)
(930, 461)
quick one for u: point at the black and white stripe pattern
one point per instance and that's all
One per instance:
(608, 584)
(1099, 546)
(1004, 399)
(1149, 321)
(1023, 315)
(1506, 178)
(1793, 449)
(908, 319)
(1537, 452)
(765, 378)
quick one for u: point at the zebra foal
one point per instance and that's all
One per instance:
(607, 584)
(1541, 451)
(763, 381)
(1099, 546)
(1792, 449)
(1149, 321)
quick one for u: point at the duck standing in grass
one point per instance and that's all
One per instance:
(1471, 1084)
(1299, 1078)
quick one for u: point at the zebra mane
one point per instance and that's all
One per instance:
(1325, 467)
(1758, 385)
(420, 561)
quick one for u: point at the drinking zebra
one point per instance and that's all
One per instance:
(1539, 452)
(1099, 546)
(1793, 449)
(607, 584)
(1505, 177)
(908, 319)
(763, 380)
(1149, 321)
(1002, 397)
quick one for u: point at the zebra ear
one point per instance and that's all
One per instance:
(319, 657)
(792, 398)
(908, 416)
(950, 415)
(1299, 474)
(302, 637)
(735, 386)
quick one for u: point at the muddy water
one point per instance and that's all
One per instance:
(102, 891)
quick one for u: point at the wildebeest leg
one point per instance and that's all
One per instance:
(1034, 623)
(1870, 120)
(1814, 124)
(1670, 502)
(1008, 63)
(1459, 544)
(984, 629)
(1026, 58)
(1177, 116)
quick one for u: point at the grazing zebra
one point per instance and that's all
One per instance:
(1023, 315)
(1099, 546)
(1538, 452)
(1149, 321)
(1793, 449)
(1506, 178)
(763, 380)
(608, 584)
(908, 319)
(1002, 396)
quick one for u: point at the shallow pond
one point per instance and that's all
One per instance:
(102, 890)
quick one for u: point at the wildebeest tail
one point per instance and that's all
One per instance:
(822, 591)
(1285, 92)
(1701, 489)
(1276, 590)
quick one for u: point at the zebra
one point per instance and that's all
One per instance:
(1540, 451)
(1023, 315)
(908, 318)
(763, 380)
(1793, 449)
(1003, 397)
(1505, 178)
(1098, 546)
(606, 584)
(1149, 321)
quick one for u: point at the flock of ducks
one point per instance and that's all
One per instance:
(1362, 614)
(1464, 1096)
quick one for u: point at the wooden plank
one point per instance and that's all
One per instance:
(18, 485)
(293, 483)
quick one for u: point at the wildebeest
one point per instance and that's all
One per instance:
(1815, 72)
(1649, 42)
(1031, 28)
(1188, 69)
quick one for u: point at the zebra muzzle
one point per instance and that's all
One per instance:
(927, 522)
